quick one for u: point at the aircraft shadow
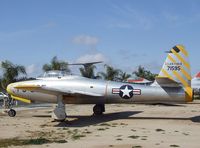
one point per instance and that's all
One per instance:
(195, 119)
(82, 121)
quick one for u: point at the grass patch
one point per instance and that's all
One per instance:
(60, 141)
(65, 128)
(137, 146)
(159, 130)
(87, 132)
(173, 145)
(20, 142)
(134, 137)
(186, 134)
(43, 125)
(77, 136)
(101, 129)
(37, 141)
(10, 142)
(123, 124)
(104, 124)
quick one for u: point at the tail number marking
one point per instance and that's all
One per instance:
(174, 68)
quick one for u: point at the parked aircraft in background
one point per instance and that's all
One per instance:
(196, 85)
(173, 85)
(196, 81)
(141, 81)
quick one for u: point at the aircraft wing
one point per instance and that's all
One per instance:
(167, 82)
(53, 91)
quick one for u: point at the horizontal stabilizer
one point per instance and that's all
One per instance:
(167, 82)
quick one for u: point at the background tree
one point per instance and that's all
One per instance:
(11, 73)
(88, 71)
(111, 73)
(123, 76)
(56, 64)
(143, 73)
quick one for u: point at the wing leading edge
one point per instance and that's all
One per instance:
(53, 91)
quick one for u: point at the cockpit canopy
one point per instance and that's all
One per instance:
(54, 73)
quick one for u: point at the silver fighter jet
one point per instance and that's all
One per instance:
(173, 85)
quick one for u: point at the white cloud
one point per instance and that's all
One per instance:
(129, 17)
(85, 40)
(33, 70)
(122, 25)
(50, 24)
(91, 58)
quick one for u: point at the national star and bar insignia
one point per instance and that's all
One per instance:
(126, 91)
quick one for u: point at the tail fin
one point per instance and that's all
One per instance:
(197, 75)
(176, 68)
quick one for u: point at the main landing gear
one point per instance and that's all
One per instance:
(59, 113)
(98, 109)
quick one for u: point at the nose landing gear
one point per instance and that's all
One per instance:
(8, 104)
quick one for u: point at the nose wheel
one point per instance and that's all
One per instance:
(98, 109)
(12, 113)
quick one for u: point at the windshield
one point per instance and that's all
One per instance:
(54, 73)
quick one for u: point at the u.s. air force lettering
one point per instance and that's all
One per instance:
(126, 91)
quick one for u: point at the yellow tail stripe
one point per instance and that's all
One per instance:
(181, 48)
(185, 84)
(166, 73)
(181, 59)
(186, 74)
(171, 59)
(182, 70)
(188, 94)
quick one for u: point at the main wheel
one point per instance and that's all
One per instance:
(12, 113)
(98, 109)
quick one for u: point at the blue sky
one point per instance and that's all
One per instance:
(123, 33)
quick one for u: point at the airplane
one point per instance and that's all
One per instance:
(196, 85)
(172, 85)
(139, 80)
(196, 81)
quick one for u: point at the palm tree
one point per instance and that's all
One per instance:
(111, 73)
(56, 64)
(143, 73)
(88, 71)
(11, 73)
(123, 76)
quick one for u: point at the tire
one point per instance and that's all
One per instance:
(12, 113)
(98, 109)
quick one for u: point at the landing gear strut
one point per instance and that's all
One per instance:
(8, 104)
(98, 109)
(59, 113)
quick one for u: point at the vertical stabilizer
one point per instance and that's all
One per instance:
(177, 69)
